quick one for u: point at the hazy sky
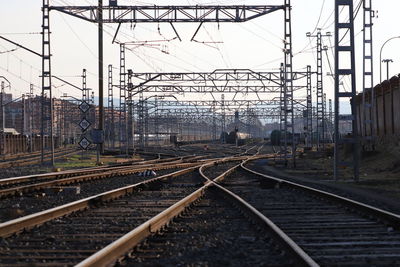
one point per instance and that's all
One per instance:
(256, 44)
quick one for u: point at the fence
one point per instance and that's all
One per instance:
(13, 144)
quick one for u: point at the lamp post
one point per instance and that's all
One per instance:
(387, 61)
(380, 56)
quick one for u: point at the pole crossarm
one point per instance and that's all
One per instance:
(169, 14)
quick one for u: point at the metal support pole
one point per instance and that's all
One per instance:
(368, 78)
(3, 119)
(111, 119)
(288, 85)
(223, 129)
(129, 124)
(330, 121)
(282, 117)
(214, 126)
(47, 100)
(309, 116)
(321, 108)
(324, 121)
(122, 99)
(100, 147)
(343, 52)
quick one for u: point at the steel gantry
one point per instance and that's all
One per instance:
(210, 103)
(368, 78)
(217, 81)
(169, 14)
(220, 81)
(345, 67)
(115, 13)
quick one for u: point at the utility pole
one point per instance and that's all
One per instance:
(100, 146)
(288, 83)
(282, 104)
(330, 120)
(342, 51)
(223, 118)
(122, 98)
(214, 123)
(3, 119)
(368, 96)
(320, 89)
(129, 122)
(309, 115)
(111, 132)
(47, 99)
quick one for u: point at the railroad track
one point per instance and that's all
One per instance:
(260, 242)
(26, 155)
(18, 185)
(211, 232)
(50, 197)
(35, 159)
(92, 222)
(101, 220)
(294, 224)
(331, 229)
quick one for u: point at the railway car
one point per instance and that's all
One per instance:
(241, 137)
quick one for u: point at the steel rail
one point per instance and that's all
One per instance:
(18, 156)
(27, 222)
(89, 170)
(301, 256)
(114, 251)
(123, 245)
(33, 160)
(389, 217)
(81, 178)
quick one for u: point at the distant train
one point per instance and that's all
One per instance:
(277, 137)
(230, 138)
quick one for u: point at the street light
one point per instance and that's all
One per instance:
(380, 56)
(387, 61)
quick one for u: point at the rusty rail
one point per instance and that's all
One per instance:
(27, 222)
(392, 218)
(111, 253)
